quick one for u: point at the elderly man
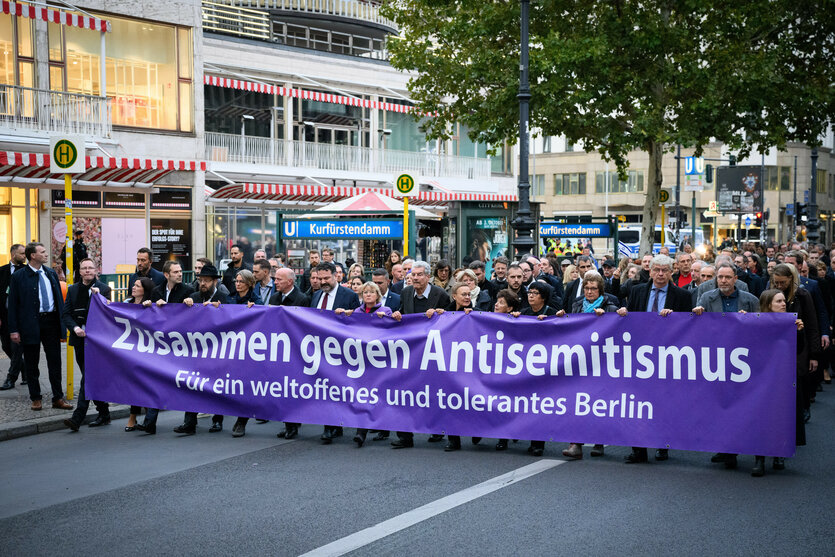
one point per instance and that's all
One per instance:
(726, 299)
(663, 297)
(419, 298)
(684, 275)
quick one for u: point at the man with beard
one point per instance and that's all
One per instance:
(237, 255)
(514, 284)
(330, 297)
(74, 318)
(208, 293)
(313, 258)
(144, 256)
(264, 283)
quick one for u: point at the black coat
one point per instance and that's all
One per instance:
(218, 296)
(678, 299)
(438, 298)
(177, 296)
(295, 298)
(76, 307)
(24, 302)
(228, 278)
(157, 277)
(251, 296)
(345, 298)
(5, 278)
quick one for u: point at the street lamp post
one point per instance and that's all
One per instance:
(813, 226)
(523, 224)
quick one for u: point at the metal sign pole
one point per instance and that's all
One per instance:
(68, 276)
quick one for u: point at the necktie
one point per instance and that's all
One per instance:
(44, 292)
(655, 300)
(325, 301)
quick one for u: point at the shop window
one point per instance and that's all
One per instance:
(13, 218)
(785, 178)
(148, 71)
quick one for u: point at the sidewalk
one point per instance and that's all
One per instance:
(17, 419)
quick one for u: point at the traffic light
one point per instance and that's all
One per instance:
(758, 219)
(767, 215)
(709, 173)
(802, 211)
(731, 160)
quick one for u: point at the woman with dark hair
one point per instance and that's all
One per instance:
(787, 297)
(442, 274)
(140, 292)
(538, 295)
(594, 301)
(245, 293)
(356, 285)
(393, 259)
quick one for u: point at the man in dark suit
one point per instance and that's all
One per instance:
(313, 257)
(264, 283)
(79, 252)
(574, 290)
(288, 295)
(399, 275)
(381, 279)
(331, 296)
(74, 318)
(419, 298)
(144, 256)
(173, 291)
(208, 293)
(12, 350)
(35, 307)
(660, 296)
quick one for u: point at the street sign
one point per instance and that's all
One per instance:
(405, 186)
(747, 222)
(712, 206)
(559, 230)
(694, 165)
(665, 196)
(789, 209)
(67, 155)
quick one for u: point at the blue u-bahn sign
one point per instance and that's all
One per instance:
(561, 230)
(342, 228)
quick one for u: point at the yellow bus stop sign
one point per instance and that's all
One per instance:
(405, 186)
(665, 196)
(67, 155)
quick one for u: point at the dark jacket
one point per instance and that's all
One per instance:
(609, 304)
(177, 296)
(808, 339)
(5, 278)
(251, 296)
(438, 298)
(228, 278)
(678, 299)
(217, 296)
(295, 298)
(712, 301)
(484, 302)
(77, 305)
(153, 274)
(391, 300)
(24, 302)
(345, 298)
(398, 287)
(545, 310)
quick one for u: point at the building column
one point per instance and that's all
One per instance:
(289, 117)
(373, 135)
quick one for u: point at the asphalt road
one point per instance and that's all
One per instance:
(106, 492)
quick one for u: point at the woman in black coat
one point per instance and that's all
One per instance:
(140, 292)
(245, 293)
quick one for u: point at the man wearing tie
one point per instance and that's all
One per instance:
(662, 297)
(288, 295)
(329, 297)
(35, 307)
(74, 319)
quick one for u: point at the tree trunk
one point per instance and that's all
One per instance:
(653, 199)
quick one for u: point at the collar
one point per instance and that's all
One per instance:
(34, 270)
(734, 295)
(425, 293)
(663, 289)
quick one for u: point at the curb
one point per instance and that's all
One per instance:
(14, 430)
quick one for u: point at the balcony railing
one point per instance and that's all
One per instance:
(222, 147)
(54, 112)
(362, 10)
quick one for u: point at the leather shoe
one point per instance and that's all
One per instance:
(779, 463)
(597, 450)
(281, 434)
(731, 462)
(450, 446)
(476, 440)
(149, 429)
(402, 444)
(501, 445)
(216, 426)
(291, 433)
(71, 424)
(662, 454)
(327, 436)
(436, 438)
(239, 429)
(37, 405)
(260, 421)
(574, 451)
(188, 430)
(359, 440)
(380, 437)
(100, 421)
(719, 457)
(759, 467)
(23, 381)
(636, 457)
(62, 404)
(7, 385)
(537, 451)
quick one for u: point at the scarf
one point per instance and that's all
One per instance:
(474, 295)
(589, 307)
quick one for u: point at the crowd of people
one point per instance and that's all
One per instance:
(796, 278)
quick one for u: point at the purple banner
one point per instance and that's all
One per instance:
(713, 382)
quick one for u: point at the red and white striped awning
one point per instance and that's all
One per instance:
(55, 16)
(306, 193)
(32, 169)
(303, 93)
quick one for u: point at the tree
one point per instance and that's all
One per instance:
(623, 75)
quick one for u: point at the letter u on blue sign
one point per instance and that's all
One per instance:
(291, 228)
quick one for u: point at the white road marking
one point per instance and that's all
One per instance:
(405, 520)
